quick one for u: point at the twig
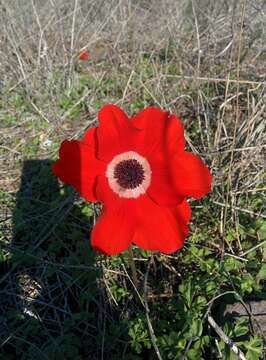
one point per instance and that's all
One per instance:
(229, 181)
(73, 36)
(209, 304)
(127, 84)
(151, 331)
(188, 347)
(243, 210)
(133, 267)
(132, 283)
(254, 248)
(65, 115)
(39, 111)
(225, 338)
(198, 38)
(21, 81)
(236, 257)
(211, 79)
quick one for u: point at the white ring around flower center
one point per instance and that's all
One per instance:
(116, 187)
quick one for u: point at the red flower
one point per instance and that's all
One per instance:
(141, 173)
(84, 55)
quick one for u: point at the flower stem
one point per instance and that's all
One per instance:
(133, 267)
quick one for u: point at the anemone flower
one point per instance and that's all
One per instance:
(139, 170)
(84, 56)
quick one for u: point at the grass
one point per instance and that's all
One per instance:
(204, 61)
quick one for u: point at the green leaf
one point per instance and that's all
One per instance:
(261, 274)
(241, 327)
(196, 328)
(194, 354)
(246, 284)
(139, 335)
(187, 290)
(254, 347)
(261, 225)
(211, 287)
(232, 264)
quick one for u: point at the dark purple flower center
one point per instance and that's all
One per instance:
(129, 173)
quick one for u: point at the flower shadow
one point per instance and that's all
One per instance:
(51, 301)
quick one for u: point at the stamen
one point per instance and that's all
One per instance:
(129, 173)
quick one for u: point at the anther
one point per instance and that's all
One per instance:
(129, 174)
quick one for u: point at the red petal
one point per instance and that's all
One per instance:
(175, 140)
(84, 55)
(150, 131)
(113, 231)
(161, 132)
(150, 116)
(115, 132)
(78, 167)
(90, 137)
(190, 175)
(105, 194)
(151, 121)
(140, 216)
(162, 190)
(161, 228)
(183, 214)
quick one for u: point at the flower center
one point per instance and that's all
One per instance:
(129, 173)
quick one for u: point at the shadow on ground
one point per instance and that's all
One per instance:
(52, 304)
